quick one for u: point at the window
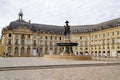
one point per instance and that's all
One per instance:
(46, 37)
(60, 38)
(92, 37)
(80, 37)
(99, 35)
(95, 36)
(29, 36)
(108, 34)
(9, 34)
(112, 40)
(118, 33)
(28, 41)
(103, 35)
(40, 37)
(103, 47)
(55, 38)
(75, 48)
(22, 41)
(16, 36)
(118, 40)
(108, 41)
(113, 47)
(51, 37)
(91, 48)
(40, 43)
(103, 41)
(16, 41)
(86, 38)
(34, 42)
(86, 43)
(45, 43)
(34, 36)
(80, 48)
(112, 33)
(50, 43)
(76, 39)
(22, 37)
(9, 41)
(80, 43)
(118, 47)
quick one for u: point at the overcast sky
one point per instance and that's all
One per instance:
(55, 12)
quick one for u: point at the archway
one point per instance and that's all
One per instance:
(41, 52)
(51, 51)
(28, 51)
(55, 52)
(118, 53)
(81, 53)
(46, 50)
(22, 51)
(34, 52)
(16, 52)
(8, 51)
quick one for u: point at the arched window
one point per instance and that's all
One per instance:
(46, 50)
(51, 51)
(9, 50)
(16, 51)
(113, 47)
(22, 51)
(41, 51)
(28, 51)
(55, 52)
(34, 52)
(118, 47)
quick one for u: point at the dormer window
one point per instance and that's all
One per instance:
(86, 30)
(100, 28)
(93, 30)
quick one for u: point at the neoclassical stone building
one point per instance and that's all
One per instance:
(21, 38)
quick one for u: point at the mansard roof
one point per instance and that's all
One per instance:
(36, 27)
(60, 29)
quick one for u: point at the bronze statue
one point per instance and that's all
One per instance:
(67, 29)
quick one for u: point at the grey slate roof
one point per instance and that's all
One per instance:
(60, 29)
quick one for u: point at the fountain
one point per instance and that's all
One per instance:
(67, 45)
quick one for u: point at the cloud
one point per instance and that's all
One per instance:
(55, 12)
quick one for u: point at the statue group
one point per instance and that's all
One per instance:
(67, 29)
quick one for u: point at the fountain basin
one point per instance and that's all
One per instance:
(72, 57)
(67, 44)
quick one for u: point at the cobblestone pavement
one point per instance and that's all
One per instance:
(77, 73)
(74, 73)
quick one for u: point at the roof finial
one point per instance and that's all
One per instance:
(20, 15)
(66, 21)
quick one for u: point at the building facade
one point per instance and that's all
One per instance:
(21, 38)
